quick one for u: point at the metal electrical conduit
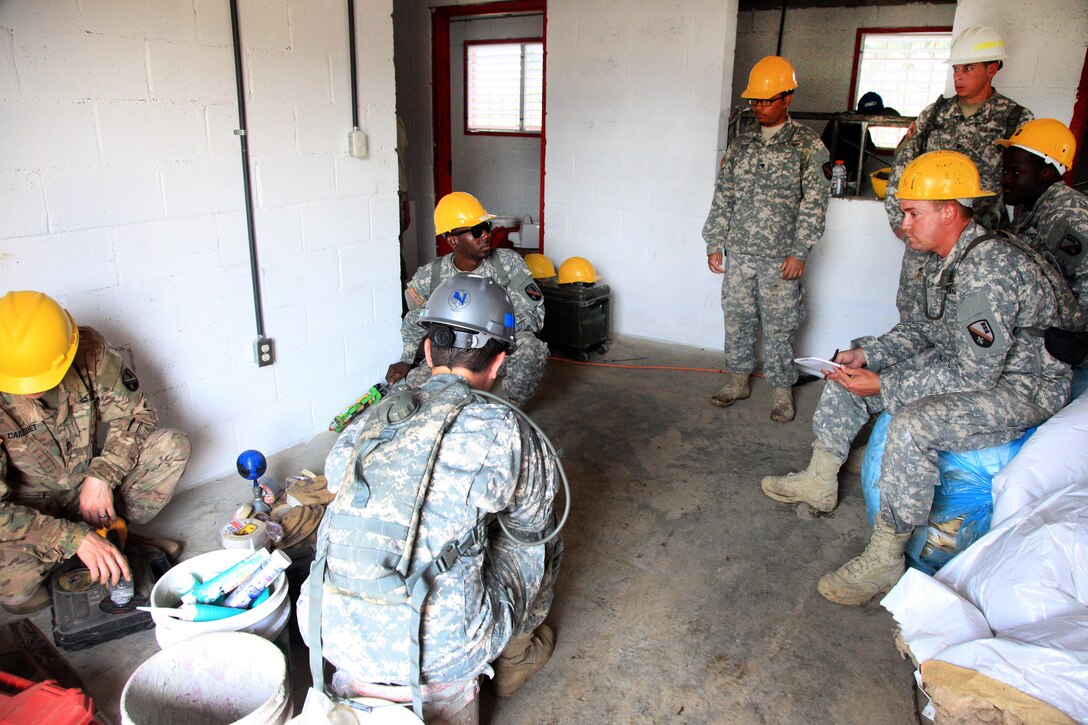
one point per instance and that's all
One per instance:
(263, 348)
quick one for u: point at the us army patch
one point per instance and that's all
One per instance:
(533, 292)
(982, 334)
(1072, 246)
(128, 378)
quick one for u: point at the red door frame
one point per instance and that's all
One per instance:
(440, 87)
(1079, 121)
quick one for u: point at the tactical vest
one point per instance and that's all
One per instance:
(369, 533)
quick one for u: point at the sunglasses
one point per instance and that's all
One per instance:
(477, 231)
(766, 101)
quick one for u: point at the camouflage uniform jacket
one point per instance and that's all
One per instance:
(489, 461)
(979, 342)
(1058, 225)
(941, 126)
(44, 452)
(504, 265)
(771, 195)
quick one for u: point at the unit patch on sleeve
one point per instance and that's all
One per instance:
(982, 334)
(533, 292)
(128, 378)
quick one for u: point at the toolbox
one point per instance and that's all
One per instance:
(576, 317)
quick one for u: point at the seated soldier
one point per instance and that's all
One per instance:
(435, 560)
(466, 226)
(1047, 214)
(57, 383)
(967, 374)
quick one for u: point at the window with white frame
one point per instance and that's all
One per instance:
(504, 86)
(907, 69)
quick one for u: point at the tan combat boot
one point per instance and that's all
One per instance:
(817, 485)
(734, 390)
(523, 656)
(874, 572)
(782, 405)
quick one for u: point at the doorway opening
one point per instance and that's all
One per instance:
(505, 170)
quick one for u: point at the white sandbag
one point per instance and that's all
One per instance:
(1053, 458)
(1047, 660)
(1029, 570)
(931, 616)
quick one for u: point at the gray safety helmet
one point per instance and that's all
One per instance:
(476, 308)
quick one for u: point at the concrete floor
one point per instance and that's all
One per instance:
(686, 595)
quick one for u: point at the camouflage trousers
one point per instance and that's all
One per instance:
(918, 431)
(520, 373)
(753, 292)
(140, 495)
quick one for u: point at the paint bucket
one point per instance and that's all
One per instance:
(213, 679)
(266, 619)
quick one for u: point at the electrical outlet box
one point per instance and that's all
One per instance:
(358, 144)
(264, 350)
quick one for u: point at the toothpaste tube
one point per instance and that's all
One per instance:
(230, 579)
(269, 569)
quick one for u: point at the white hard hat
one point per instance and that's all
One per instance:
(977, 44)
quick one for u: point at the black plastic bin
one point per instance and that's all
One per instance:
(577, 317)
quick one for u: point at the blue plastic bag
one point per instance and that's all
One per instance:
(966, 490)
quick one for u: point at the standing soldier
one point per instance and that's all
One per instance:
(462, 219)
(1047, 214)
(969, 122)
(57, 383)
(768, 211)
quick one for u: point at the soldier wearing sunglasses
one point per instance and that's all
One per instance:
(767, 212)
(466, 225)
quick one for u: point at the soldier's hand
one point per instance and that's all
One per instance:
(105, 562)
(716, 262)
(792, 268)
(396, 372)
(96, 502)
(852, 358)
(862, 382)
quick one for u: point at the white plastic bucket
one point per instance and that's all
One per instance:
(266, 619)
(213, 679)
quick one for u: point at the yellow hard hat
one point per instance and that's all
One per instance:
(540, 266)
(769, 77)
(940, 175)
(38, 341)
(577, 269)
(1046, 137)
(457, 210)
(977, 44)
(880, 181)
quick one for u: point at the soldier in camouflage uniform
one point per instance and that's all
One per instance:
(467, 228)
(967, 376)
(57, 383)
(969, 122)
(767, 213)
(491, 465)
(1047, 214)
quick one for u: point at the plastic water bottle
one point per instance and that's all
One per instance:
(838, 180)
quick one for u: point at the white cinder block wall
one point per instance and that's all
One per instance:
(635, 90)
(121, 178)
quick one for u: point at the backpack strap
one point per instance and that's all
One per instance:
(419, 584)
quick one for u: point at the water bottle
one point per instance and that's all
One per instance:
(838, 180)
